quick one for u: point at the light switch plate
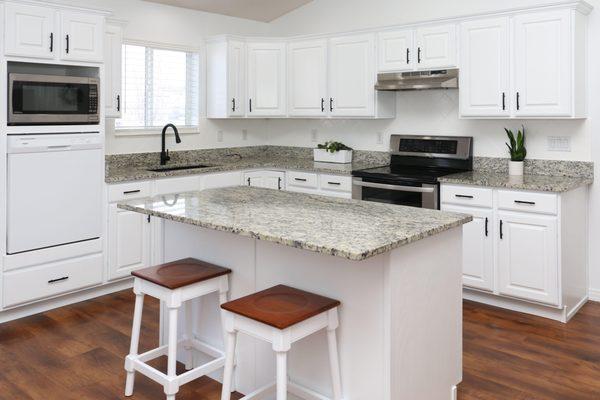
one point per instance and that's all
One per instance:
(219, 136)
(244, 134)
(313, 135)
(559, 143)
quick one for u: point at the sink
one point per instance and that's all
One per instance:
(179, 167)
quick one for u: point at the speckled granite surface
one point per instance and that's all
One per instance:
(133, 167)
(544, 183)
(351, 229)
(579, 169)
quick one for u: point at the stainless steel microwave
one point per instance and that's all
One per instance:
(53, 100)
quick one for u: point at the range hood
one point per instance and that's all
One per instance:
(418, 80)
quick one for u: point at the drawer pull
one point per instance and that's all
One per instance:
(334, 183)
(131, 191)
(300, 179)
(486, 227)
(64, 278)
(530, 203)
(463, 196)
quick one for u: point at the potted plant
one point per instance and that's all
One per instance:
(333, 152)
(517, 151)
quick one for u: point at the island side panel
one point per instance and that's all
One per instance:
(425, 295)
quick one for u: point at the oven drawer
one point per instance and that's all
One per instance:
(127, 191)
(49, 280)
(467, 196)
(544, 203)
(302, 179)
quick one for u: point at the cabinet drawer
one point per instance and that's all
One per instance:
(36, 283)
(467, 196)
(126, 191)
(544, 203)
(335, 183)
(302, 179)
(177, 185)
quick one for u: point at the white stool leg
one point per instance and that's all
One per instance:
(189, 335)
(334, 362)
(229, 361)
(281, 375)
(172, 352)
(135, 341)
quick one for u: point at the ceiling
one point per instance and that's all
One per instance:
(259, 10)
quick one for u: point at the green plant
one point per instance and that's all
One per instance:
(333, 147)
(517, 145)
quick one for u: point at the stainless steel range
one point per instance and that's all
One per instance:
(417, 162)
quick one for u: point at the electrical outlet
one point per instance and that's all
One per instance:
(314, 135)
(219, 136)
(244, 134)
(559, 143)
(379, 137)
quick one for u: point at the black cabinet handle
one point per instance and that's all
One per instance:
(501, 232)
(322, 105)
(250, 105)
(503, 100)
(148, 218)
(233, 104)
(331, 104)
(279, 183)
(486, 227)
(419, 55)
(463, 196)
(407, 55)
(64, 278)
(118, 102)
(300, 179)
(67, 49)
(51, 42)
(530, 203)
(248, 181)
(334, 183)
(518, 100)
(132, 191)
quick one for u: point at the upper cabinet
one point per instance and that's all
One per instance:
(51, 33)
(266, 79)
(531, 65)
(226, 78)
(307, 78)
(113, 42)
(428, 47)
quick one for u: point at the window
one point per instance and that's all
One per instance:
(159, 86)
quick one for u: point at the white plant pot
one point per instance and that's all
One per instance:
(515, 168)
(339, 157)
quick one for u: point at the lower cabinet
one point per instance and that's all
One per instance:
(265, 179)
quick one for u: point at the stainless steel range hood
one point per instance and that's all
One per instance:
(418, 80)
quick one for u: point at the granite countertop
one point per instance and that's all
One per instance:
(135, 172)
(545, 183)
(351, 229)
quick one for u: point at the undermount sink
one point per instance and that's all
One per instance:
(178, 167)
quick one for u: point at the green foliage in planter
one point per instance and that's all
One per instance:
(333, 147)
(516, 148)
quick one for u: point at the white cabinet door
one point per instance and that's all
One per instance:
(307, 78)
(436, 47)
(396, 51)
(29, 31)
(485, 68)
(528, 257)
(352, 76)
(82, 37)
(478, 247)
(542, 64)
(128, 242)
(266, 79)
(113, 42)
(265, 179)
(236, 78)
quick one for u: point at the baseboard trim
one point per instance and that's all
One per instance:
(594, 295)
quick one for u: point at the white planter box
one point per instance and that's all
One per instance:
(340, 157)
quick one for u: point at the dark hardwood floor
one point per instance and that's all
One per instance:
(76, 352)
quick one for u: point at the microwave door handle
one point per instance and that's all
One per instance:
(397, 188)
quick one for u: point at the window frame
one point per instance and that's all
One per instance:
(145, 131)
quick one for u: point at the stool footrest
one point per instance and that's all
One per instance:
(293, 388)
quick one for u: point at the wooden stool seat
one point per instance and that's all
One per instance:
(176, 274)
(281, 306)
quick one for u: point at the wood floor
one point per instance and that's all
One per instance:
(76, 352)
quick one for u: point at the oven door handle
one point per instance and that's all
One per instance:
(394, 187)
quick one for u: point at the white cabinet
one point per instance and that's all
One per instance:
(352, 76)
(83, 36)
(226, 78)
(528, 257)
(396, 51)
(543, 60)
(485, 68)
(30, 31)
(265, 179)
(113, 42)
(436, 47)
(266, 79)
(307, 78)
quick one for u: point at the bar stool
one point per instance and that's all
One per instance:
(175, 283)
(281, 316)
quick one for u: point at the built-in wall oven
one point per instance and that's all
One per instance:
(36, 99)
(416, 163)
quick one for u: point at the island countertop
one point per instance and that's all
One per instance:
(352, 229)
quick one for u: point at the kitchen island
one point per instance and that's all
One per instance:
(396, 270)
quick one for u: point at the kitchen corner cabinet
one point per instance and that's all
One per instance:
(523, 250)
(226, 78)
(265, 179)
(266, 79)
(531, 65)
(113, 43)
